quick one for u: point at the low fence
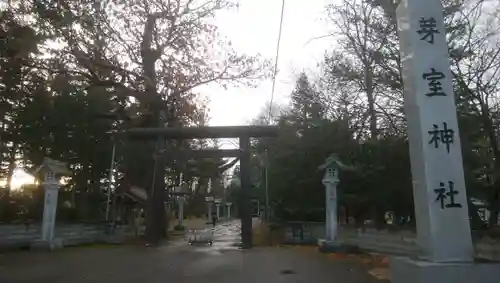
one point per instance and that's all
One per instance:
(380, 241)
(22, 236)
(303, 232)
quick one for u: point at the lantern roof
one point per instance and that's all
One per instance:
(55, 166)
(333, 161)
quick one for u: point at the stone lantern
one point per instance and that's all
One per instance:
(331, 166)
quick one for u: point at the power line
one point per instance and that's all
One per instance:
(276, 61)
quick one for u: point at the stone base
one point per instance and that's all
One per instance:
(46, 245)
(326, 246)
(407, 270)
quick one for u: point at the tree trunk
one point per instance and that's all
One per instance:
(156, 220)
(492, 137)
(12, 165)
(493, 205)
(3, 144)
(378, 217)
(155, 208)
(347, 215)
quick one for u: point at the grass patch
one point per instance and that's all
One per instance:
(93, 246)
(179, 228)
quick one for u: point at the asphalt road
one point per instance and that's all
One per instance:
(178, 263)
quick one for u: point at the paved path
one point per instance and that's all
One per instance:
(179, 263)
(193, 223)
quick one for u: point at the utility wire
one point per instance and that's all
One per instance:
(276, 59)
(276, 62)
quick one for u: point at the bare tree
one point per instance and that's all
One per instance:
(156, 51)
(476, 69)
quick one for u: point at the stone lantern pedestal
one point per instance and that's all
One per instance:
(51, 170)
(228, 207)
(179, 194)
(209, 201)
(217, 207)
(180, 213)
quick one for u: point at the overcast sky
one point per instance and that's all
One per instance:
(253, 28)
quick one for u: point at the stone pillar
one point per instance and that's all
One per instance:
(436, 159)
(443, 230)
(180, 202)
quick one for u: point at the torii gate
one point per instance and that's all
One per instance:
(243, 133)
